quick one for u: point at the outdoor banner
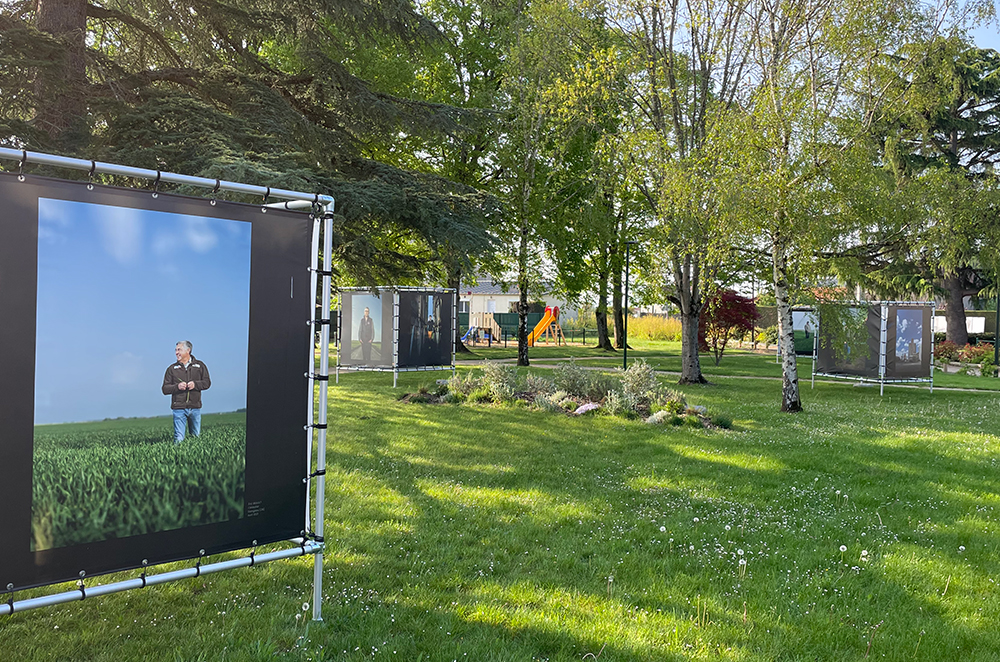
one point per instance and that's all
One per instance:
(804, 328)
(908, 342)
(154, 395)
(426, 328)
(849, 341)
(365, 328)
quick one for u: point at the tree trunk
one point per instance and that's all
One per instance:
(687, 281)
(601, 314)
(455, 283)
(790, 400)
(690, 361)
(61, 88)
(954, 312)
(522, 302)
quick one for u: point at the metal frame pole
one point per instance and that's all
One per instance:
(395, 339)
(454, 338)
(933, 315)
(815, 347)
(628, 246)
(303, 548)
(310, 411)
(94, 167)
(881, 354)
(324, 393)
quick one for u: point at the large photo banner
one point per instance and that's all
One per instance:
(849, 341)
(908, 342)
(365, 328)
(155, 403)
(426, 328)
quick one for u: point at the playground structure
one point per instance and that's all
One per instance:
(483, 329)
(548, 328)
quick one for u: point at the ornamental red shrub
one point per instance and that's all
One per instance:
(726, 316)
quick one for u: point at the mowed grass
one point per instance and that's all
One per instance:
(125, 477)
(460, 532)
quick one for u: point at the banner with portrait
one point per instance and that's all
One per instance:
(426, 328)
(154, 406)
(366, 328)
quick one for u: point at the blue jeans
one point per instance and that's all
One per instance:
(189, 419)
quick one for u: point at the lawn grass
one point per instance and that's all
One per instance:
(459, 532)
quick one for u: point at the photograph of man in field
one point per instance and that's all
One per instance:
(116, 287)
(184, 381)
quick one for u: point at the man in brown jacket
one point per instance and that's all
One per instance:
(183, 382)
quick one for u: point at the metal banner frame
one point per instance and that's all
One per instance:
(311, 540)
(395, 369)
(883, 349)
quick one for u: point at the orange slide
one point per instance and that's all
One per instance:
(551, 315)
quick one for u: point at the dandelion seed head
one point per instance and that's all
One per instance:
(663, 529)
(696, 520)
(843, 548)
(961, 548)
(740, 552)
(728, 527)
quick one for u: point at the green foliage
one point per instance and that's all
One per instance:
(500, 379)
(639, 383)
(536, 384)
(569, 376)
(599, 385)
(693, 421)
(845, 331)
(619, 403)
(91, 484)
(722, 421)
(480, 395)
(463, 383)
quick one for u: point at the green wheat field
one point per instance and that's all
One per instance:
(125, 477)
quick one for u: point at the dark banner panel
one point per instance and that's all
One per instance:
(849, 341)
(908, 342)
(426, 328)
(365, 328)
(155, 405)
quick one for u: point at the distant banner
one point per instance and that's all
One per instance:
(155, 403)
(426, 328)
(365, 328)
(804, 327)
(850, 341)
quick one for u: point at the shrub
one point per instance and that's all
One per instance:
(676, 420)
(693, 421)
(559, 396)
(722, 421)
(768, 336)
(480, 395)
(500, 380)
(463, 383)
(441, 388)
(988, 367)
(670, 400)
(570, 377)
(536, 384)
(619, 403)
(568, 404)
(947, 351)
(452, 398)
(598, 386)
(423, 389)
(639, 382)
(975, 353)
(547, 403)
(658, 418)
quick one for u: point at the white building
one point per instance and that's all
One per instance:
(488, 296)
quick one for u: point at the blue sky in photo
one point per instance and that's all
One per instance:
(909, 328)
(117, 288)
